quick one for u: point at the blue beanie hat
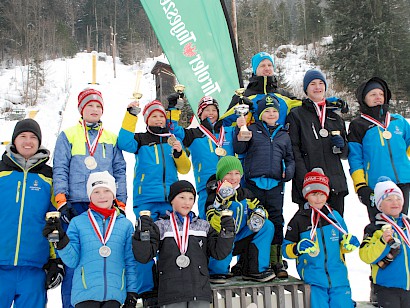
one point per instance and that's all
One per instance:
(266, 102)
(258, 58)
(312, 75)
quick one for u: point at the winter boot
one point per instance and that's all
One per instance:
(277, 263)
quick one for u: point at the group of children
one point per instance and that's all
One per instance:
(240, 202)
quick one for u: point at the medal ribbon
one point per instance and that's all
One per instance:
(96, 228)
(321, 113)
(336, 225)
(399, 230)
(314, 224)
(218, 142)
(182, 243)
(161, 135)
(92, 147)
(374, 121)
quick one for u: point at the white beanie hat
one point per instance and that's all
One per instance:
(384, 188)
(101, 179)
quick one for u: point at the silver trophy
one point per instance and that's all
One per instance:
(242, 110)
(54, 236)
(179, 88)
(145, 235)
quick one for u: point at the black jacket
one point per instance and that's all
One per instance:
(264, 156)
(191, 283)
(312, 151)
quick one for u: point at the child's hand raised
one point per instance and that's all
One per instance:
(133, 108)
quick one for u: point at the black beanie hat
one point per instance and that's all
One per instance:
(179, 187)
(26, 125)
(371, 86)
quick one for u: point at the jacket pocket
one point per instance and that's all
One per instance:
(83, 278)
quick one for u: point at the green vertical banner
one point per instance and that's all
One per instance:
(196, 38)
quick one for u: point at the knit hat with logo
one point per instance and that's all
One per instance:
(258, 58)
(311, 75)
(26, 125)
(87, 96)
(180, 187)
(101, 179)
(226, 164)
(384, 188)
(151, 107)
(205, 102)
(315, 181)
(266, 102)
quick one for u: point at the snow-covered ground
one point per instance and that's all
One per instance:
(57, 110)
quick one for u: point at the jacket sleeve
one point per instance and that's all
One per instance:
(219, 247)
(183, 163)
(289, 161)
(239, 147)
(345, 150)
(373, 249)
(355, 157)
(70, 254)
(61, 165)
(119, 173)
(291, 239)
(130, 263)
(144, 251)
(126, 140)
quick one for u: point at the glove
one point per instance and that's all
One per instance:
(337, 141)
(350, 242)
(366, 196)
(246, 101)
(144, 224)
(131, 300)
(338, 103)
(55, 224)
(54, 269)
(134, 110)
(67, 211)
(227, 227)
(175, 100)
(224, 192)
(120, 205)
(305, 246)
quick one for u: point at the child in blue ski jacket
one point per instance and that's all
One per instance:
(98, 246)
(317, 238)
(158, 159)
(386, 246)
(206, 143)
(268, 165)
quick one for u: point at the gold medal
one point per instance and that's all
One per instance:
(314, 253)
(90, 162)
(386, 135)
(220, 151)
(171, 140)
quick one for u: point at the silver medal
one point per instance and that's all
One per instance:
(104, 251)
(90, 162)
(323, 132)
(183, 261)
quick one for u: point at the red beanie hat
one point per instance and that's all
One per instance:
(151, 107)
(87, 96)
(315, 181)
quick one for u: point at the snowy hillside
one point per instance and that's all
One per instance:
(57, 109)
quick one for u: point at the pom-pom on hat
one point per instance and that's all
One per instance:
(266, 102)
(205, 102)
(371, 86)
(258, 58)
(315, 181)
(101, 179)
(226, 164)
(151, 107)
(26, 125)
(87, 96)
(385, 187)
(312, 75)
(179, 187)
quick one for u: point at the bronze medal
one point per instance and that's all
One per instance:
(182, 261)
(90, 162)
(220, 151)
(171, 140)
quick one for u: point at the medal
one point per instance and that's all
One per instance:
(90, 162)
(182, 261)
(220, 151)
(104, 251)
(386, 135)
(315, 253)
(171, 140)
(323, 132)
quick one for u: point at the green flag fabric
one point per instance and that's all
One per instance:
(196, 38)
